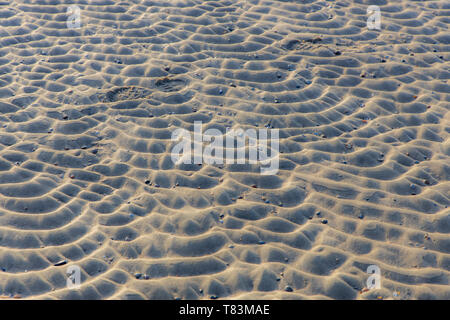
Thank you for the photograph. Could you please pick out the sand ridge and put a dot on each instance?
(86, 176)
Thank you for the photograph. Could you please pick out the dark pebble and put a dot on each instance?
(288, 289)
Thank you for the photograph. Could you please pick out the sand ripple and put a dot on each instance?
(86, 176)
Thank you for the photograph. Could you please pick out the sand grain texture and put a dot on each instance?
(86, 176)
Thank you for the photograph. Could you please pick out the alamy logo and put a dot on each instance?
(235, 147)
(146, 18)
(374, 20)
(73, 277)
(74, 19)
(374, 281)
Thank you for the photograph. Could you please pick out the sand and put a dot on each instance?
(86, 177)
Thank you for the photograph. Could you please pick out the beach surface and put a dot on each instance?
(87, 181)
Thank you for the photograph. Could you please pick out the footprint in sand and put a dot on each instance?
(169, 85)
(124, 93)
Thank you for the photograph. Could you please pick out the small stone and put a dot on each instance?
(324, 221)
(288, 289)
(60, 263)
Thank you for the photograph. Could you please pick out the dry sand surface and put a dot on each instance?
(86, 176)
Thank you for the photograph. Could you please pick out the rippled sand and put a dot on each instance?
(86, 176)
